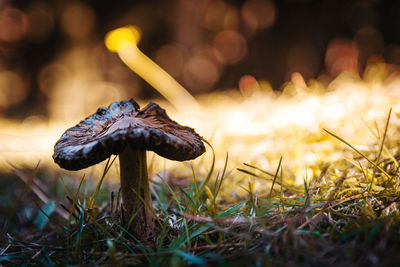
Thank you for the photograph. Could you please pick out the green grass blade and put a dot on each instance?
(231, 211)
(210, 172)
(191, 259)
(96, 191)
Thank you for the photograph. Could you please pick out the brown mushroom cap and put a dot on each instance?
(110, 129)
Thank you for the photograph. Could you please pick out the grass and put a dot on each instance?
(347, 214)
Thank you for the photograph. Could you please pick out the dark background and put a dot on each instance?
(205, 45)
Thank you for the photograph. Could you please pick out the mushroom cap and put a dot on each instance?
(110, 129)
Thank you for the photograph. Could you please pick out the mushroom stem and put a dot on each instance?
(136, 196)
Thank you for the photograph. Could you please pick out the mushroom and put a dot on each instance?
(126, 130)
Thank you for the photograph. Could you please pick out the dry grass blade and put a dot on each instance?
(258, 176)
(384, 136)
(259, 169)
(314, 186)
(360, 153)
(226, 221)
(33, 185)
(275, 176)
(337, 187)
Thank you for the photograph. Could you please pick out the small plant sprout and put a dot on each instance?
(126, 130)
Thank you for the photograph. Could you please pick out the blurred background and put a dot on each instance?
(268, 76)
(52, 53)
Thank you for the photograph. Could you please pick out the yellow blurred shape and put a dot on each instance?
(124, 41)
(122, 38)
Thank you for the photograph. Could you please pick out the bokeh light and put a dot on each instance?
(302, 58)
(12, 22)
(369, 43)
(248, 84)
(172, 58)
(281, 68)
(13, 89)
(78, 20)
(40, 22)
(201, 70)
(231, 46)
(220, 15)
(258, 14)
(341, 55)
